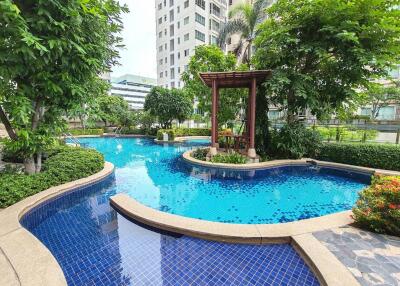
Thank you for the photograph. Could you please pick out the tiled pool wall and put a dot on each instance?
(95, 245)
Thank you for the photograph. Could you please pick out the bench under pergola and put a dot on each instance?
(237, 79)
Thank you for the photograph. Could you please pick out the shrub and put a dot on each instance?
(378, 208)
(379, 156)
(178, 132)
(342, 133)
(200, 154)
(294, 141)
(63, 164)
(230, 158)
(78, 132)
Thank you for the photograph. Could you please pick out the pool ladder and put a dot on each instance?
(74, 140)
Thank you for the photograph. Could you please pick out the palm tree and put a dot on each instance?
(244, 19)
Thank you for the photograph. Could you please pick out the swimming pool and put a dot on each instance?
(157, 176)
(95, 245)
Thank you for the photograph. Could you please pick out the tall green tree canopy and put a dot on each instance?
(213, 59)
(112, 110)
(51, 55)
(168, 105)
(320, 51)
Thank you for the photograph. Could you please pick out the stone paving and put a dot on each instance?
(373, 259)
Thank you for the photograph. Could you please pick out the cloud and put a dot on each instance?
(139, 34)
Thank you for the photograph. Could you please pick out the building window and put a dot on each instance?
(171, 3)
(171, 30)
(171, 45)
(213, 40)
(160, 34)
(186, 52)
(186, 20)
(172, 59)
(166, 60)
(166, 73)
(160, 6)
(172, 84)
(161, 61)
(186, 67)
(200, 36)
(186, 37)
(178, 9)
(214, 9)
(165, 3)
(214, 25)
(179, 25)
(179, 40)
(200, 19)
(165, 31)
(179, 70)
(165, 18)
(201, 4)
(171, 15)
(179, 55)
(160, 48)
(186, 4)
(161, 74)
(159, 21)
(172, 73)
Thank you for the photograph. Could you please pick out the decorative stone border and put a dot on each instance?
(24, 260)
(180, 139)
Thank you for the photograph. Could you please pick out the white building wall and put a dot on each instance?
(169, 73)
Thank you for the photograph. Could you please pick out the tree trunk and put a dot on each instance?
(10, 131)
(291, 117)
(38, 162)
(29, 164)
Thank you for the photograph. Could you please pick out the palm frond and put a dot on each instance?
(232, 27)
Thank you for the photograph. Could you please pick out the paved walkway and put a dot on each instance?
(373, 259)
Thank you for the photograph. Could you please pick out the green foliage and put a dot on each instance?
(200, 154)
(179, 132)
(51, 56)
(294, 141)
(244, 18)
(113, 110)
(379, 156)
(229, 158)
(213, 59)
(321, 51)
(78, 132)
(343, 133)
(168, 104)
(378, 207)
(378, 96)
(64, 164)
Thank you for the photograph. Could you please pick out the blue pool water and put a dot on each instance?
(95, 245)
(156, 176)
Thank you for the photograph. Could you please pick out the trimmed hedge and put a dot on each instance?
(93, 131)
(63, 164)
(178, 132)
(379, 156)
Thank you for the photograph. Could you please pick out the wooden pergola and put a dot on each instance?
(239, 79)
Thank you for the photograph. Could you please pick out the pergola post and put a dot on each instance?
(252, 124)
(214, 127)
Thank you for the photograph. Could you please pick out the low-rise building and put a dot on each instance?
(133, 89)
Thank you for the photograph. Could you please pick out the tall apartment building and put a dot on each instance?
(181, 26)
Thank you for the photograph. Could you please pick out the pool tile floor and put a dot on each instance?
(373, 259)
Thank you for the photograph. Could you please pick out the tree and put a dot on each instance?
(244, 18)
(212, 59)
(51, 53)
(167, 105)
(112, 110)
(321, 51)
(378, 96)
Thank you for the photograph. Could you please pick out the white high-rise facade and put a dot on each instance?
(181, 26)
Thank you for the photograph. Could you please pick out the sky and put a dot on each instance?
(139, 34)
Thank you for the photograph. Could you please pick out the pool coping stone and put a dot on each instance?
(28, 262)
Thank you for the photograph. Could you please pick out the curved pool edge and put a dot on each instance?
(286, 162)
(324, 264)
(180, 139)
(28, 261)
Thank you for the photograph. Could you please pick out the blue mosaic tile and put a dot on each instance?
(95, 245)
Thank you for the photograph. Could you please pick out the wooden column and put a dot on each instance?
(214, 128)
(252, 123)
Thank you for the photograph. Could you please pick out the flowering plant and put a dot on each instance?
(378, 207)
